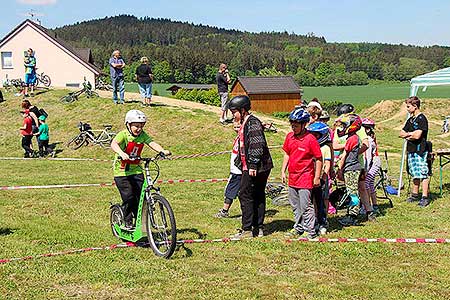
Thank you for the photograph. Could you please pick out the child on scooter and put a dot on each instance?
(128, 175)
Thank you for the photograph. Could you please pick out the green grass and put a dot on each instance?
(368, 95)
(40, 221)
(160, 88)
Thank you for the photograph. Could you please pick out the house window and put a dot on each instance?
(7, 60)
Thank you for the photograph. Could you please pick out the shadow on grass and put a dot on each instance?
(153, 104)
(271, 212)
(199, 234)
(6, 231)
(278, 226)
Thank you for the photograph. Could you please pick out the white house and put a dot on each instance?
(65, 65)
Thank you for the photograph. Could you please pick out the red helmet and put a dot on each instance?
(351, 123)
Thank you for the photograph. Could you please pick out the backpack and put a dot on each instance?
(42, 112)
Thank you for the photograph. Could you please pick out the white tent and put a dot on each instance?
(439, 77)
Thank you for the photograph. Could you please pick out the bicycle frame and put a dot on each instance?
(139, 232)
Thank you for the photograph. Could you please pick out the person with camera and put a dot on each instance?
(223, 79)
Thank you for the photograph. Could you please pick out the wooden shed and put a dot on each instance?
(204, 87)
(269, 94)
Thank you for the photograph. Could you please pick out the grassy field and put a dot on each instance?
(361, 96)
(34, 222)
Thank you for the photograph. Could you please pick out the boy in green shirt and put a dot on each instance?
(128, 174)
(43, 138)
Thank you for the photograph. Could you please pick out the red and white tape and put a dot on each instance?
(66, 186)
(207, 154)
(227, 240)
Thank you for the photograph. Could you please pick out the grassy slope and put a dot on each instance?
(40, 221)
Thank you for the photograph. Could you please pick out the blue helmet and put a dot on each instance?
(323, 130)
(299, 115)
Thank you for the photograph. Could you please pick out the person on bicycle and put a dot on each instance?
(128, 175)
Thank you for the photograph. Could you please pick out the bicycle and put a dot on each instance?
(278, 192)
(155, 215)
(44, 79)
(446, 125)
(102, 85)
(87, 89)
(384, 182)
(88, 135)
(270, 127)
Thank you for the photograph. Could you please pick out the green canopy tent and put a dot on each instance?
(439, 77)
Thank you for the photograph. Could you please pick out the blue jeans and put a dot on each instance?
(118, 86)
(146, 90)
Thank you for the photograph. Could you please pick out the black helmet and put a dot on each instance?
(345, 109)
(238, 102)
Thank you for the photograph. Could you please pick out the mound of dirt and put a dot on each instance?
(386, 110)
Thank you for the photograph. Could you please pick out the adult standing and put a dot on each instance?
(144, 78)
(255, 162)
(30, 72)
(116, 65)
(415, 132)
(223, 79)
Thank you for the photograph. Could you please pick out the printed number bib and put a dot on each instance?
(133, 149)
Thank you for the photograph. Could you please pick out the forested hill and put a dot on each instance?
(184, 52)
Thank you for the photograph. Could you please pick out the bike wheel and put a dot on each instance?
(46, 81)
(77, 141)
(116, 218)
(104, 140)
(68, 99)
(161, 227)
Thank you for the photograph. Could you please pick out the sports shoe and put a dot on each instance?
(362, 211)
(258, 232)
(412, 198)
(347, 221)
(294, 233)
(376, 209)
(371, 216)
(243, 234)
(424, 202)
(322, 230)
(222, 214)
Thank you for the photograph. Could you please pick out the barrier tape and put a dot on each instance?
(207, 154)
(227, 240)
(65, 186)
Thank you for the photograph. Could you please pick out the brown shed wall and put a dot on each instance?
(270, 103)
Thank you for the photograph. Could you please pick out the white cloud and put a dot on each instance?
(37, 2)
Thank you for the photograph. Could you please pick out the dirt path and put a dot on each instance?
(283, 126)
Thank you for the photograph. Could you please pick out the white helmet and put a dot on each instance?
(135, 116)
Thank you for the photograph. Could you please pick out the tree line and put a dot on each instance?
(184, 52)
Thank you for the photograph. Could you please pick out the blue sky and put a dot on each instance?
(407, 22)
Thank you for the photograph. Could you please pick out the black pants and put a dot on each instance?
(43, 148)
(26, 145)
(319, 204)
(130, 190)
(252, 196)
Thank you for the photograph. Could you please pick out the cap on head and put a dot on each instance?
(239, 102)
(135, 116)
(42, 118)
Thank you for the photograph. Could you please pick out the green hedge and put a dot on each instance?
(210, 97)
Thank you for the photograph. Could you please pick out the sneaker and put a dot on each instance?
(347, 221)
(424, 202)
(53, 154)
(243, 234)
(322, 230)
(371, 216)
(362, 211)
(222, 214)
(260, 232)
(412, 198)
(376, 209)
(294, 233)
